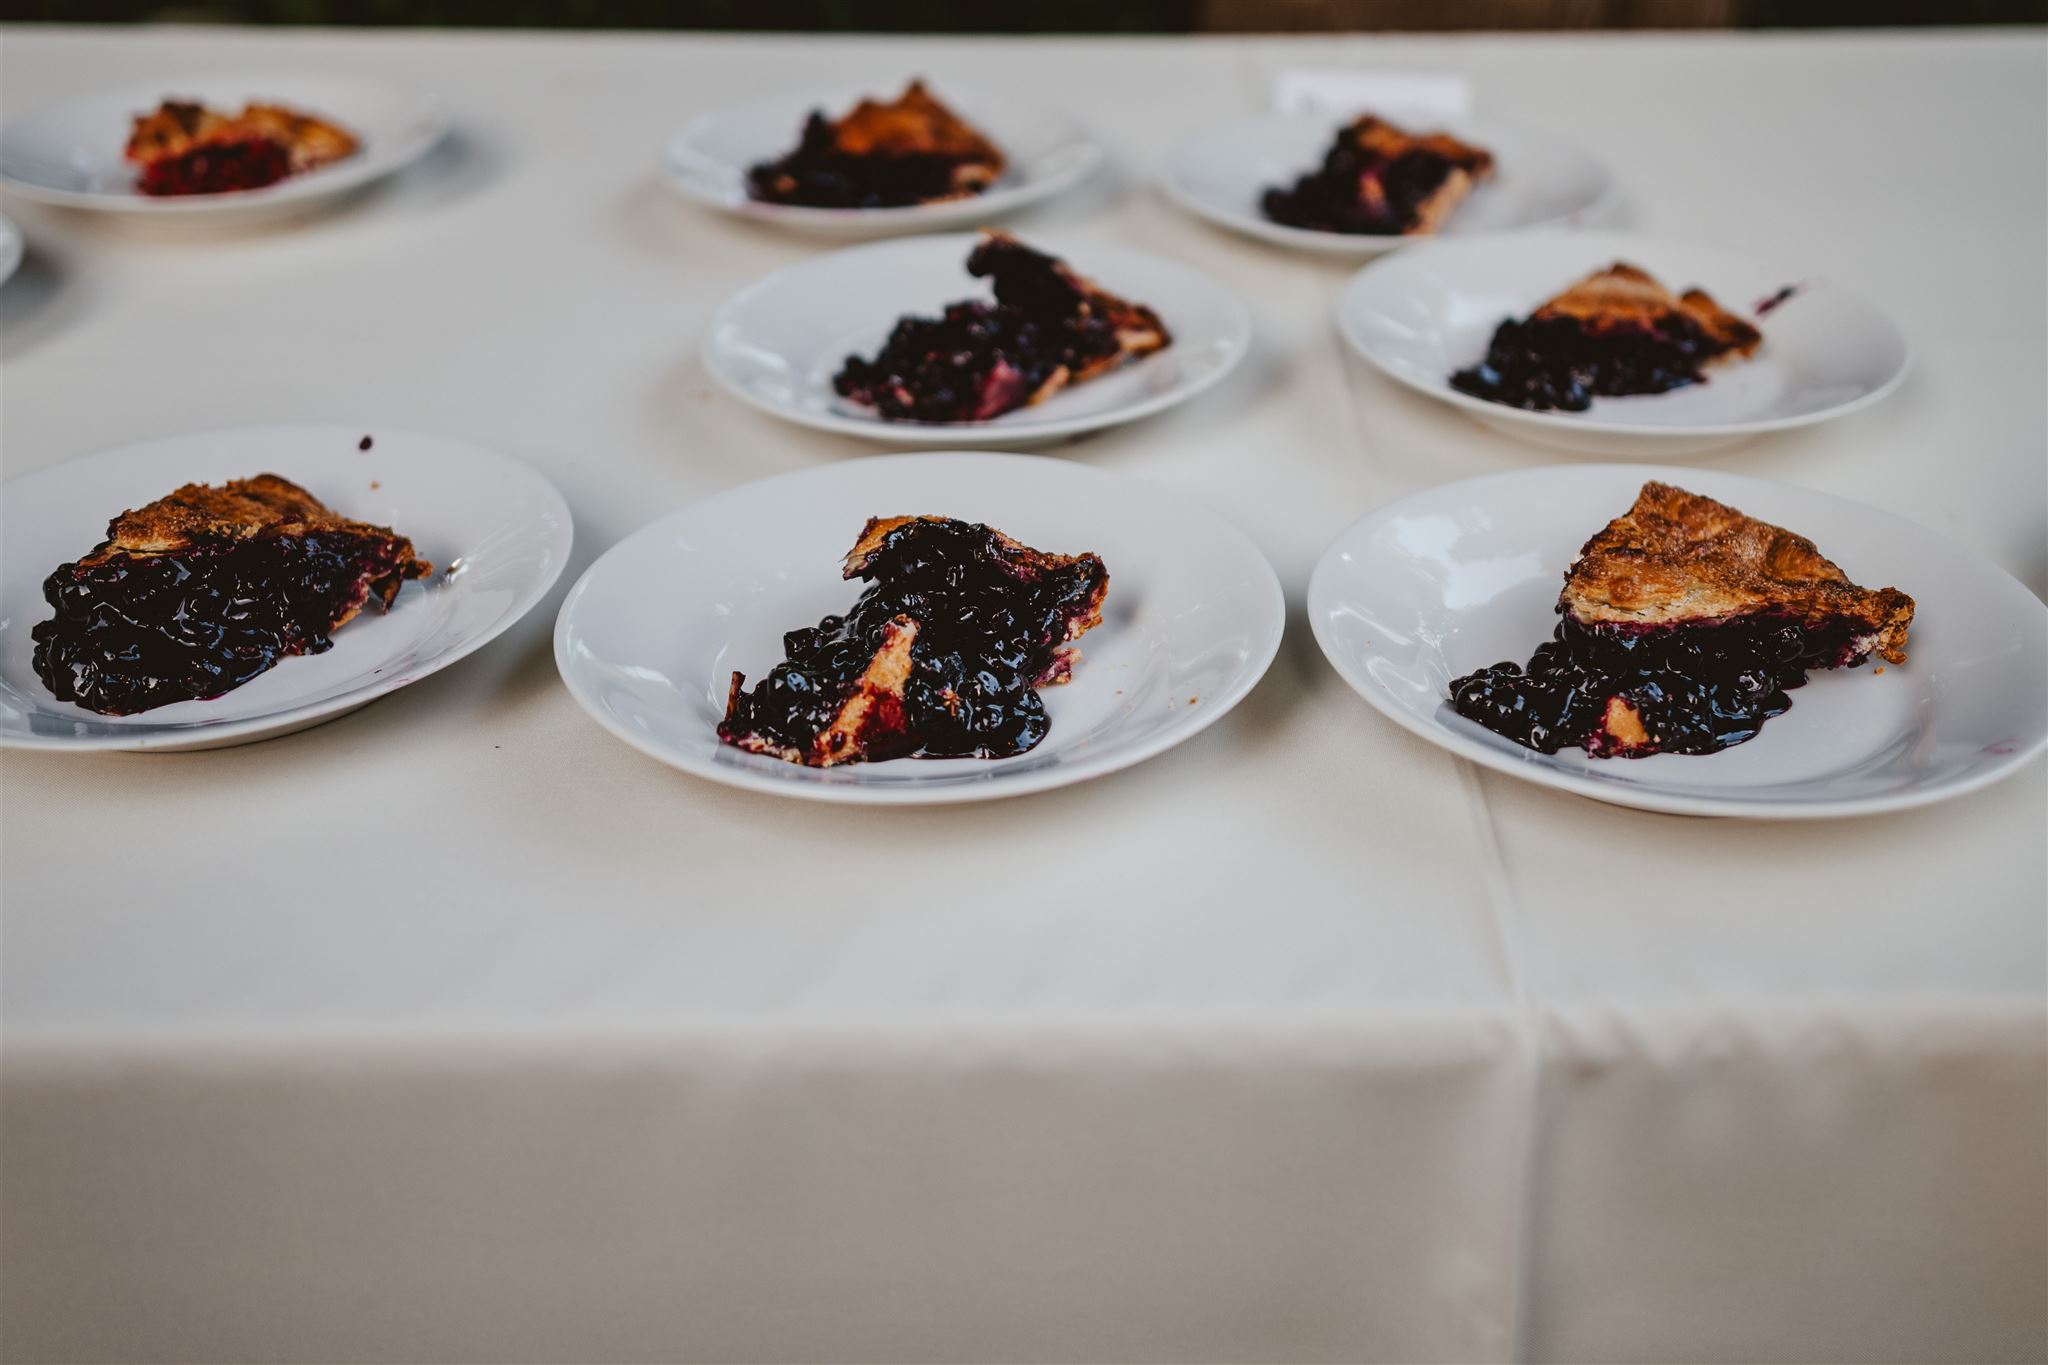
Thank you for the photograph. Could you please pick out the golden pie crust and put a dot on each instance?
(1626, 296)
(1676, 557)
(177, 126)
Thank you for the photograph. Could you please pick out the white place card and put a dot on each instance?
(1346, 91)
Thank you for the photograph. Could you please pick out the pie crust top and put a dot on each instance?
(1627, 296)
(916, 122)
(1677, 557)
(237, 510)
(1387, 141)
(177, 126)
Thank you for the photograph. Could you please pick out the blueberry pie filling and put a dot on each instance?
(911, 150)
(1046, 328)
(941, 656)
(199, 592)
(182, 147)
(1683, 626)
(1613, 334)
(1379, 180)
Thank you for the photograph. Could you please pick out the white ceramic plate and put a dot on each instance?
(12, 247)
(650, 636)
(708, 161)
(1221, 173)
(1450, 580)
(70, 154)
(778, 342)
(500, 527)
(1431, 310)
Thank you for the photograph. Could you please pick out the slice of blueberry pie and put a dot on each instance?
(1683, 624)
(1047, 327)
(197, 593)
(909, 150)
(1616, 332)
(1381, 180)
(183, 147)
(942, 656)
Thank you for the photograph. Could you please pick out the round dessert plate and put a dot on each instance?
(650, 636)
(1427, 312)
(495, 531)
(1539, 179)
(12, 247)
(71, 154)
(778, 343)
(1046, 154)
(1465, 575)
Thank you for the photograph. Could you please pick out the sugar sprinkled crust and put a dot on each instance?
(881, 153)
(917, 121)
(1678, 557)
(238, 510)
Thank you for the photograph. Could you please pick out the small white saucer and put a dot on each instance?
(650, 636)
(1464, 575)
(1046, 154)
(1420, 315)
(778, 342)
(71, 154)
(1539, 178)
(496, 532)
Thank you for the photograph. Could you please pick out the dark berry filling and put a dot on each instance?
(1697, 687)
(135, 632)
(1335, 196)
(980, 359)
(1561, 362)
(217, 168)
(819, 175)
(989, 635)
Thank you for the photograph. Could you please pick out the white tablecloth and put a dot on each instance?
(455, 1030)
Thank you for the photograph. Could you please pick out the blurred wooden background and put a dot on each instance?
(1051, 16)
(1313, 16)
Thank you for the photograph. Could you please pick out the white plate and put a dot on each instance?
(649, 637)
(1450, 580)
(1046, 153)
(1426, 312)
(12, 247)
(778, 342)
(1539, 179)
(501, 527)
(71, 154)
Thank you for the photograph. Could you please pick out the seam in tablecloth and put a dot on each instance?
(1507, 941)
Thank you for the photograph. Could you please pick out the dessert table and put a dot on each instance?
(456, 1030)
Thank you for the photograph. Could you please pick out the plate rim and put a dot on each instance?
(285, 719)
(1088, 156)
(13, 248)
(995, 787)
(1366, 244)
(1536, 770)
(319, 183)
(987, 435)
(1568, 422)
